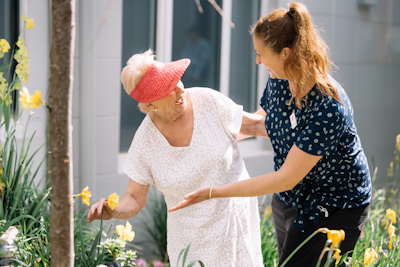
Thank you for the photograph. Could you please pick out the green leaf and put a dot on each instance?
(1, 209)
(179, 257)
(20, 262)
(185, 255)
(82, 244)
(7, 116)
(1, 109)
(4, 66)
(19, 218)
(194, 261)
(97, 239)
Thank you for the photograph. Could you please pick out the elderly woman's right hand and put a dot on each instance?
(95, 211)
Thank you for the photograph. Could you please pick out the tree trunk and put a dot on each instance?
(60, 130)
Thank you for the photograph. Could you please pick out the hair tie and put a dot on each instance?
(290, 14)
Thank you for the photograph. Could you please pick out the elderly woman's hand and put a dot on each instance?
(95, 211)
(195, 197)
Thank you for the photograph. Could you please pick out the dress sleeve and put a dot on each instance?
(135, 165)
(323, 130)
(229, 113)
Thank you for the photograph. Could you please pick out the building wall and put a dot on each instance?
(37, 42)
(96, 110)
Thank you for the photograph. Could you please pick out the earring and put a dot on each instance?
(155, 109)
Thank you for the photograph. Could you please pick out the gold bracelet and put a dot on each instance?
(209, 195)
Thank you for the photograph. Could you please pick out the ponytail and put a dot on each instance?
(309, 53)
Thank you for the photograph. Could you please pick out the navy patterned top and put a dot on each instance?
(323, 127)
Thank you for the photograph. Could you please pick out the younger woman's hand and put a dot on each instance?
(95, 211)
(195, 197)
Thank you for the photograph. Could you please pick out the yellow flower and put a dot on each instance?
(2, 79)
(7, 100)
(337, 255)
(21, 56)
(28, 21)
(3, 88)
(4, 47)
(86, 195)
(390, 170)
(125, 233)
(337, 236)
(392, 235)
(113, 200)
(36, 99)
(384, 224)
(25, 98)
(18, 85)
(369, 256)
(391, 214)
(398, 142)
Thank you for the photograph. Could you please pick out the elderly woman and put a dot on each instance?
(186, 141)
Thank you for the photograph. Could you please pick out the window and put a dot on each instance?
(243, 69)
(9, 30)
(138, 35)
(197, 36)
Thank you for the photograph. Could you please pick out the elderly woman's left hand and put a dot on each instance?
(195, 197)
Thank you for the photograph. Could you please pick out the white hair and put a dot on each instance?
(135, 69)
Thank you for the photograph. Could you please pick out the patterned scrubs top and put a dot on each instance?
(324, 127)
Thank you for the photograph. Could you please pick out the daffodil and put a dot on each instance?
(391, 230)
(384, 224)
(21, 56)
(36, 99)
(86, 195)
(337, 236)
(18, 85)
(336, 255)
(3, 87)
(7, 99)
(370, 255)
(398, 142)
(4, 47)
(28, 22)
(25, 98)
(390, 170)
(2, 79)
(391, 214)
(113, 200)
(125, 233)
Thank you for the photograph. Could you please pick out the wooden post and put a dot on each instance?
(60, 131)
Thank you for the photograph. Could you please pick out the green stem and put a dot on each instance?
(328, 260)
(297, 249)
(101, 230)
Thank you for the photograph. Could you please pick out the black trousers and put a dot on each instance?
(289, 237)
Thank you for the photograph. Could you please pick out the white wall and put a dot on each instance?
(96, 106)
(37, 42)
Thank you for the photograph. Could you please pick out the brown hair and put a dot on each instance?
(309, 53)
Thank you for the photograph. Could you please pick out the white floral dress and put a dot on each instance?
(223, 231)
